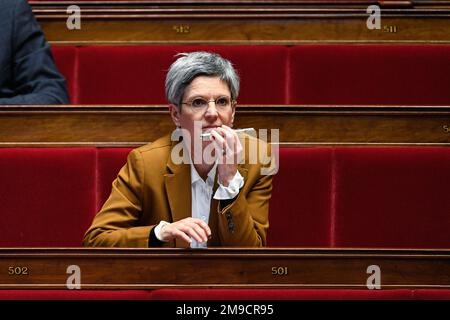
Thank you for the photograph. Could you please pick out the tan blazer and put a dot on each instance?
(151, 188)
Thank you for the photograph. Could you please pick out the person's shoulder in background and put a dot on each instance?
(28, 74)
(6, 24)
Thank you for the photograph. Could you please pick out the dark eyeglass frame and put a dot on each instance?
(202, 103)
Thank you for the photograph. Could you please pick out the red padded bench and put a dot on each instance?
(227, 294)
(322, 196)
(47, 196)
(136, 74)
(369, 74)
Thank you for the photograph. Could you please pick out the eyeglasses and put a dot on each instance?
(201, 104)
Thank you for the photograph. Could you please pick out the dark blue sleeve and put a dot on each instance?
(35, 78)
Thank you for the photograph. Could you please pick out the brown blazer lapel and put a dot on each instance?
(214, 209)
(178, 190)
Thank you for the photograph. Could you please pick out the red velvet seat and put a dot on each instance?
(280, 294)
(66, 61)
(129, 75)
(47, 196)
(302, 74)
(338, 197)
(299, 211)
(136, 74)
(342, 197)
(392, 197)
(370, 74)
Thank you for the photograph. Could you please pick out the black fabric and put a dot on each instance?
(153, 241)
(224, 203)
(28, 74)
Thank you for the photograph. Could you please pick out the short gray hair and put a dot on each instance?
(193, 64)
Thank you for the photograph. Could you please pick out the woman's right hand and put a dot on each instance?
(186, 229)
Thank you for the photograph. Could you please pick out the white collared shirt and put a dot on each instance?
(201, 192)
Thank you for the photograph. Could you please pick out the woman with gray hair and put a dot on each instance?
(196, 187)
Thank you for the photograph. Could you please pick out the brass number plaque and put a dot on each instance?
(390, 29)
(279, 271)
(181, 29)
(446, 128)
(18, 271)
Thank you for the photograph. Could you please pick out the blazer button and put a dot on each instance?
(230, 221)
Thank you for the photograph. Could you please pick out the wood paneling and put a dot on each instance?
(249, 22)
(225, 268)
(298, 125)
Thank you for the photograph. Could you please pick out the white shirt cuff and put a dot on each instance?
(227, 193)
(158, 230)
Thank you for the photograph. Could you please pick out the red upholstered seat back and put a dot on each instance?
(370, 74)
(361, 197)
(301, 199)
(136, 74)
(392, 197)
(47, 196)
(303, 74)
(323, 196)
(66, 59)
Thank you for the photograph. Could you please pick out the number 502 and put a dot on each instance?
(17, 271)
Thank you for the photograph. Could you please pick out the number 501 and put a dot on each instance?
(279, 271)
